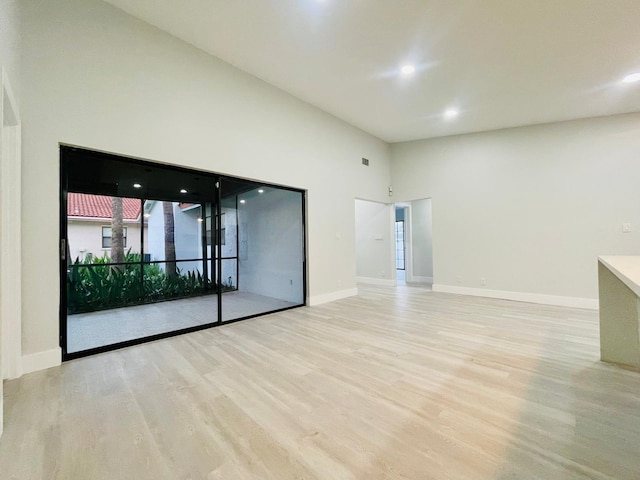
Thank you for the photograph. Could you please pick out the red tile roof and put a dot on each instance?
(99, 206)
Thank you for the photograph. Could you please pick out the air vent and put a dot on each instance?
(365, 161)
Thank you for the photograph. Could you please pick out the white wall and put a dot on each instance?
(375, 242)
(86, 237)
(9, 39)
(10, 290)
(230, 238)
(95, 77)
(187, 238)
(229, 248)
(271, 249)
(531, 208)
(420, 238)
(155, 232)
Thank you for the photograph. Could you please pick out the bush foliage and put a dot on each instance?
(93, 284)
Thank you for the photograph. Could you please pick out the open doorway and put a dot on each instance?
(413, 242)
(401, 244)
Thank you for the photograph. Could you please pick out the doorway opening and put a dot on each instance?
(400, 245)
(413, 242)
(151, 250)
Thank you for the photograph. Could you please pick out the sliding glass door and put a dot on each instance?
(149, 250)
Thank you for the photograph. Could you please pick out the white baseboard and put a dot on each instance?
(575, 302)
(332, 297)
(41, 360)
(419, 279)
(387, 282)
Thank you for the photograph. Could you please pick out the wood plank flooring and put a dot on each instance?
(392, 384)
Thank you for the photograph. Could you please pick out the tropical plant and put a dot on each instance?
(93, 285)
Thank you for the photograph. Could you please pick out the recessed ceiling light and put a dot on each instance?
(199, 219)
(137, 185)
(182, 190)
(260, 190)
(147, 215)
(631, 78)
(408, 69)
(451, 113)
(243, 201)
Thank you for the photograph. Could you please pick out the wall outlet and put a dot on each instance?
(483, 281)
(626, 227)
(339, 283)
(458, 280)
(290, 282)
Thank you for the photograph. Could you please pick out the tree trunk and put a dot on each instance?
(169, 240)
(117, 236)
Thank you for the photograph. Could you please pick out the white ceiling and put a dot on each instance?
(502, 63)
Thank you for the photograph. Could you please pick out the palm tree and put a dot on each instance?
(117, 237)
(169, 240)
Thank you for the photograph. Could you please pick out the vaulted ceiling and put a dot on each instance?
(489, 63)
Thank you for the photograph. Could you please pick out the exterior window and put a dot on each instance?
(106, 237)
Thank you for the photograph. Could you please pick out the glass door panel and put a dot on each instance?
(263, 248)
(126, 254)
(104, 271)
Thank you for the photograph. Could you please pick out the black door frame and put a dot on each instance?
(215, 258)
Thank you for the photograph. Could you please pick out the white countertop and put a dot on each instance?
(626, 268)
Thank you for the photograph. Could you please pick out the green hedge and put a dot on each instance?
(93, 284)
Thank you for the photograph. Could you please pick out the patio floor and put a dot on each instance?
(96, 329)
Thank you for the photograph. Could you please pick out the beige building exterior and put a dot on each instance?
(87, 236)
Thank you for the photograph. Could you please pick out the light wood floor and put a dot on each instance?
(392, 384)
